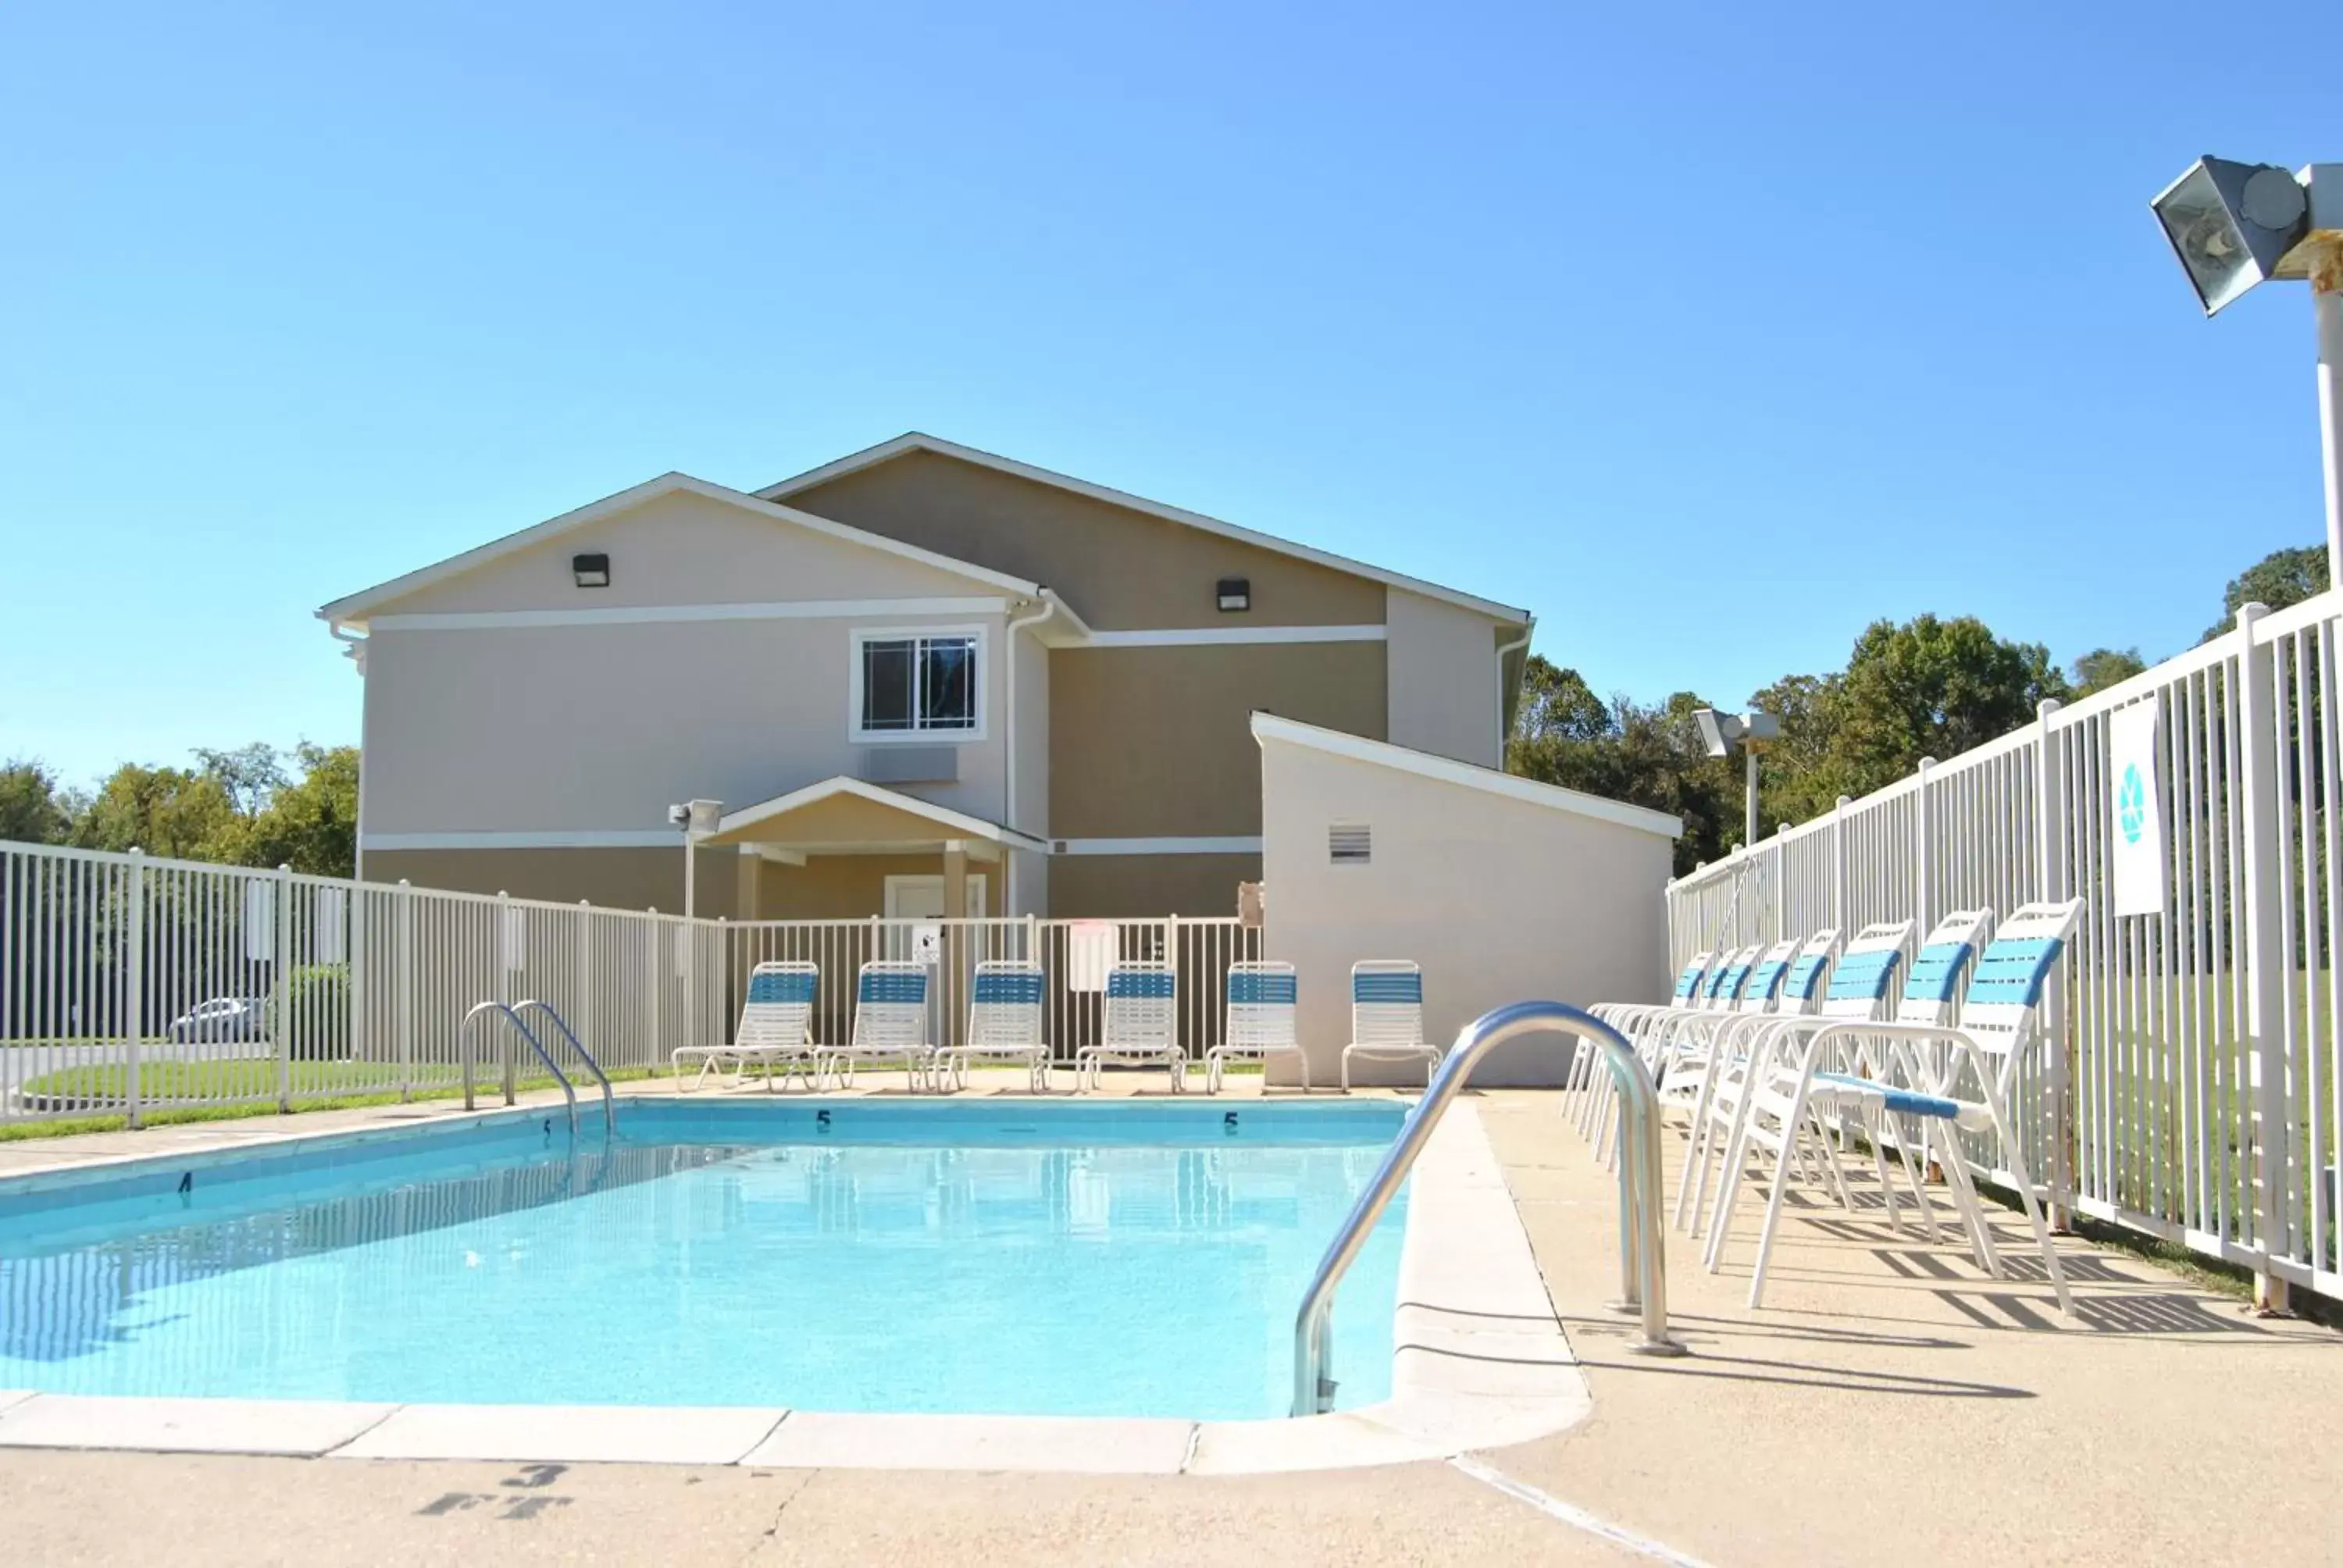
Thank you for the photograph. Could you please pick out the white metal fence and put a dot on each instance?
(129, 984)
(2193, 1088)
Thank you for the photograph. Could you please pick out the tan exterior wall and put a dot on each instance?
(614, 879)
(1157, 742)
(1499, 901)
(1136, 887)
(1120, 569)
(1442, 665)
(681, 548)
(599, 728)
(853, 886)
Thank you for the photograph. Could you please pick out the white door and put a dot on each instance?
(922, 898)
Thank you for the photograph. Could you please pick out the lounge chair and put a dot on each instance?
(890, 1023)
(1004, 1023)
(1142, 1023)
(1387, 1016)
(1258, 1022)
(1939, 1077)
(774, 1026)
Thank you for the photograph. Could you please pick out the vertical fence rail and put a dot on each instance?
(2188, 1083)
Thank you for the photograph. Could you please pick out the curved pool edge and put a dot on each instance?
(1480, 1361)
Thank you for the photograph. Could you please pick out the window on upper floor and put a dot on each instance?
(919, 685)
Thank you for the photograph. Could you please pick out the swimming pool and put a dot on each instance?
(1091, 1259)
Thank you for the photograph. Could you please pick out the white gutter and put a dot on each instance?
(353, 645)
(1528, 627)
(1009, 702)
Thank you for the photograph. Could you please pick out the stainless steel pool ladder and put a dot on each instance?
(1643, 1263)
(512, 1012)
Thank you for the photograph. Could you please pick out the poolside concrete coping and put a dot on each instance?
(1479, 1361)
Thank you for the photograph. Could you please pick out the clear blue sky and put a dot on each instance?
(1709, 333)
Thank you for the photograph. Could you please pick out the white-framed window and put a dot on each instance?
(924, 683)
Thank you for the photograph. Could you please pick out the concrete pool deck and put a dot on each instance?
(1888, 1400)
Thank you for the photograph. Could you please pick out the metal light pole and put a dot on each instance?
(1750, 731)
(698, 818)
(2235, 226)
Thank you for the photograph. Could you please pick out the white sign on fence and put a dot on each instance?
(2139, 862)
(1090, 952)
(260, 920)
(928, 943)
(515, 939)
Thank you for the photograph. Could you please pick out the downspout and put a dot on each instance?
(1529, 626)
(354, 649)
(1009, 728)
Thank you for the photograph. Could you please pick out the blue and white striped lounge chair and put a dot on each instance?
(1261, 997)
(1142, 1023)
(1945, 1076)
(1004, 1023)
(1387, 1016)
(775, 1025)
(890, 1023)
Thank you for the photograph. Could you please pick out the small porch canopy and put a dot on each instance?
(886, 829)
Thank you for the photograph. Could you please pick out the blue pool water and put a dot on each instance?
(1065, 1259)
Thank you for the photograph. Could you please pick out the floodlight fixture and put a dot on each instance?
(2235, 226)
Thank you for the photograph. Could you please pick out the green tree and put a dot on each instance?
(310, 824)
(1558, 703)
(250, 774)
(167, 811)
(1623, 750)
(2278, 579)
(2105, 666)
(1929, 688)
(31, 810)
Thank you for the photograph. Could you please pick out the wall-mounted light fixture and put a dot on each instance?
(591, 571)
(1235, 593)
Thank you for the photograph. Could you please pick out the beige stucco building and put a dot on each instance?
(1503, 889)
(920, 680)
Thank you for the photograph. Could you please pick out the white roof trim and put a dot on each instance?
(961, 824)
(354, 608)
(1384, 754)
(916, 441)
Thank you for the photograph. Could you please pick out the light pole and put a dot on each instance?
(698, 818)
(1750, 731)
(2236, 224)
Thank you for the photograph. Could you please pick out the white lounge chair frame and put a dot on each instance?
(890, 1024)
(1004, 1024)
(1387, 1016)
(1260, 997)
(1140, 1026)
(775, 1029)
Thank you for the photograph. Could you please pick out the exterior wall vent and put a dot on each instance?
(1349, 844)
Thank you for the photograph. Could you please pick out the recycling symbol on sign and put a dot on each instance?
(2131, 804)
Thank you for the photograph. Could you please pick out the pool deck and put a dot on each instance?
(1889, 1400)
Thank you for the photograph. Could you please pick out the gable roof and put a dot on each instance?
(354, 609)
(733, 826)
(919, 441)
(1447, 770)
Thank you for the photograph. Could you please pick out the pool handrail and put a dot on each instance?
(1642, 1260)
(609, 1115)
(464, 1047)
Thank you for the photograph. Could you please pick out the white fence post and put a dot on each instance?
(2266, 959)
(284, 988)
(133, 982)
(1838, 868)
(1924, 880)
(501, 946)
(2049, 885)
(585, 976)
(403, 989)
